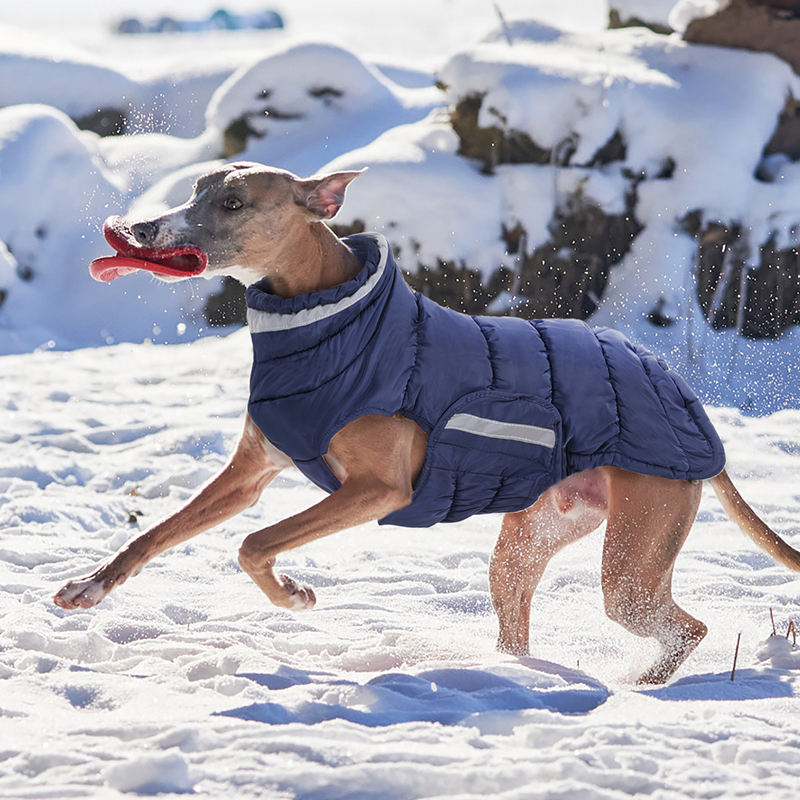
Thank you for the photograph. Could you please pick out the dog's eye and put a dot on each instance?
(232, 203)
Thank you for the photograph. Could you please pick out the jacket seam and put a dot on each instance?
(490, 352)
(415, 330)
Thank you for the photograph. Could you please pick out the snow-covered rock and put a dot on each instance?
(653, 14)
(628, 127)
(43, 69)
(51, 223)
(287, 107)
(625, 114)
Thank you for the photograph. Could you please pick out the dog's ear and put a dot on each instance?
(324, 196)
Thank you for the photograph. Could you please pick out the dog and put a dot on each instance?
(265, 226)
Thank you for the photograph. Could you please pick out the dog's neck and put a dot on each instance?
(315, 260)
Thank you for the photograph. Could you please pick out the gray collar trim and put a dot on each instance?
(268, 322)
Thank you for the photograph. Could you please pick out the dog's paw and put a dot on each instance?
(83, 593)
(300, 596)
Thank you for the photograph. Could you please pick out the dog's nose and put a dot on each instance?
(145, 232)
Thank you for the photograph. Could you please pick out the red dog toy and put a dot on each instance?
(183, 260)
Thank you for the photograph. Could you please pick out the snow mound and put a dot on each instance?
(280, 109)
(297, 83)
(42, 70)
(156, 774)
(51, 225)
(779, 653)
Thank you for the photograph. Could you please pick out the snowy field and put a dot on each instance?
(186, 681)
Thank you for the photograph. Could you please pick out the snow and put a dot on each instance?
(37, 71)
(186, 680)
(654, 11)
(310, 101)
(684, 11)
(667, 98)
(51, 224)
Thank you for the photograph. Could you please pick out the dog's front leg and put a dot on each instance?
(378, 458)
(356, 502)
(239, 485)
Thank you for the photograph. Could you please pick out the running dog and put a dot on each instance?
(409, 413)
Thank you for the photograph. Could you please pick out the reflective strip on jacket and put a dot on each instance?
(510, 406)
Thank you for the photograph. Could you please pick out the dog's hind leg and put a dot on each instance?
(648, 522)
(529, 539)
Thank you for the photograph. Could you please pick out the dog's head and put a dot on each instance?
(238, 221)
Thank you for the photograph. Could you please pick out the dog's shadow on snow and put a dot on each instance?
(489, 698)
(449, 696)
(748, 684)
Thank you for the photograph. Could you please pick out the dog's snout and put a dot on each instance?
(145, 232)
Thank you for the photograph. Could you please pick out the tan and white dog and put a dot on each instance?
(252, 222)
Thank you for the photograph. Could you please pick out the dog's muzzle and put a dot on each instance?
(181, 261)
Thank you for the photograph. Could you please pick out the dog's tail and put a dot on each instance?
(739, 511)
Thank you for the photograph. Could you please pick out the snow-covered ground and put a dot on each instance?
(187, 680)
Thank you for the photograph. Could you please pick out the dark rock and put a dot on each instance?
(456, 286)
(767, 26)
(615, 149)
(772, 300)
(235, 136)
(499, 144)
(228, 306)
(667, 169)
(761, 302)
(357, 226)
(786, 138)
(616, 20)
(325, 93)
(494, 145)
(567, 276)
(657, 317)
(104, 122)
(719, 264)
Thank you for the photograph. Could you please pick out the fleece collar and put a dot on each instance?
(268, 313)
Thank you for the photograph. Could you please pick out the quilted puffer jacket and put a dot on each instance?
(510, 406)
